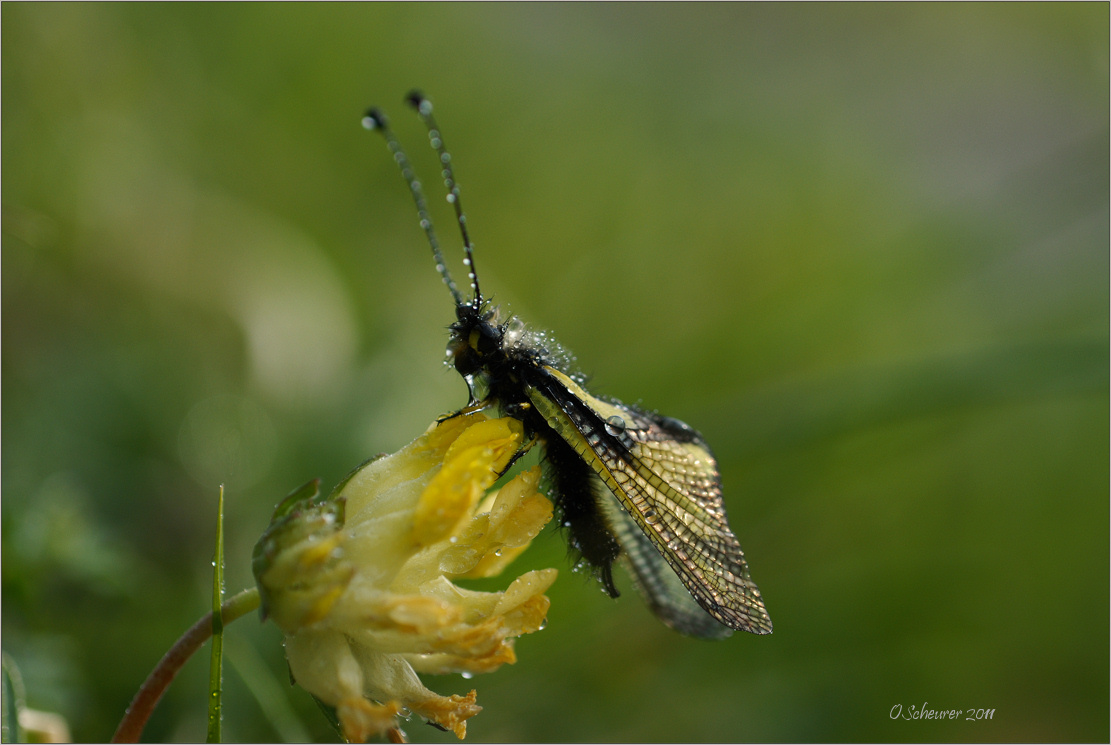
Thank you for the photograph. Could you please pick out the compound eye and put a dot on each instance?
(463, 357)
(468, 363)
(489, 339)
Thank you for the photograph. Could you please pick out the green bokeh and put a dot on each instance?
(863, 248)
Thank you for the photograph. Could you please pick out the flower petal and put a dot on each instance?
(471, 465)
(450, 712)
(491, 542)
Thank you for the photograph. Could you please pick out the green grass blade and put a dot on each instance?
(13, 701)
(215, 675)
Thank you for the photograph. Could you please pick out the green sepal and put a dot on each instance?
(330, 715)
(307, 492)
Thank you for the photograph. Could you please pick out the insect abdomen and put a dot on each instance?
(570, 480)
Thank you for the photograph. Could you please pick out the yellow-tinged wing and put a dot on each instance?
(666, 481)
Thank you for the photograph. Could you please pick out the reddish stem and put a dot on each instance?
(142, 706)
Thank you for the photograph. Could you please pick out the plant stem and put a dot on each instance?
(142, 706)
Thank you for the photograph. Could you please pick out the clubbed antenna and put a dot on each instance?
(375, 119)
(424, 108)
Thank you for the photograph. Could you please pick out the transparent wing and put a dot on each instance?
(666, 480)
(654, 578)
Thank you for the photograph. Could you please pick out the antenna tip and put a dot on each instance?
(374, 119)
(417, 100)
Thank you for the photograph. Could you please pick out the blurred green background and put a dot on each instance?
(864, 249)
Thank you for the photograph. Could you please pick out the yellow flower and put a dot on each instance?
(361, 582)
